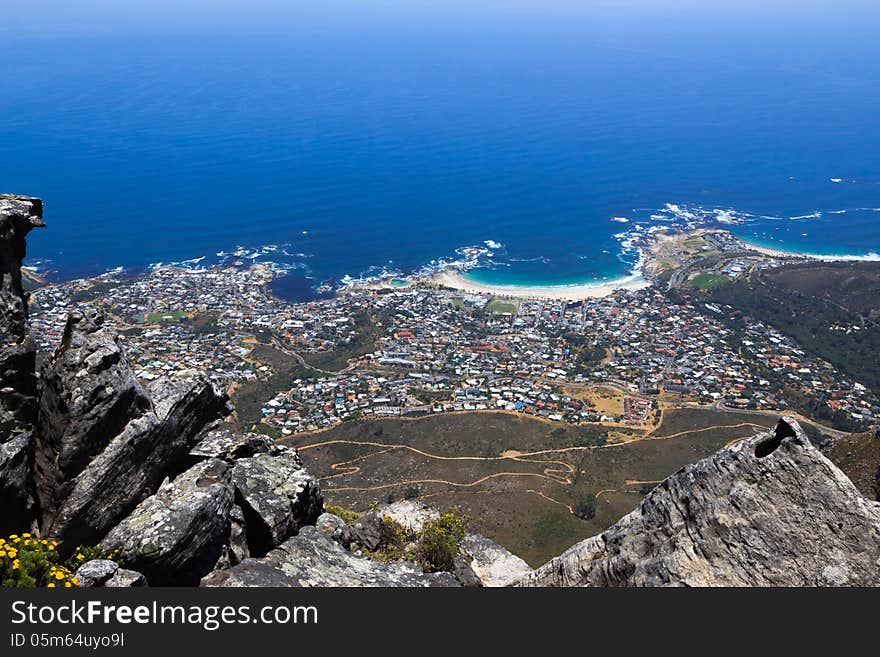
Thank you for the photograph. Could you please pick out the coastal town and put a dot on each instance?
(420, 348)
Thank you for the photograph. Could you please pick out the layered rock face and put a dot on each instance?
(18, 381)
(769, 511)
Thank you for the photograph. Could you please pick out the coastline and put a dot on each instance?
(455, 279)
(779, 253)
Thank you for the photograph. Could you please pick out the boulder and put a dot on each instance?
(125, 578)
(367, 531)
(411, 514)
(176, 536)
(277, 496)
(768, 511)
(107, 573)
(223, 443)
(312, 559)
(492, 564)
(334, 528)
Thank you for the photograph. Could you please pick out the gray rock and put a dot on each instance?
(176, 536)
(367, 531)
(492, 564)
(125, 578)
(96, 572)
(18, 379)
(88, 395)
(768, 511)
(411, 514)
(312, 559)
(334, 528)
(223, 443)
(136, 460)
(16, 484)
(277, 496)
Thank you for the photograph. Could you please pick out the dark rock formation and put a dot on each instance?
(312, 559)
(134, 462)
(277, 496)
(18, 381)
(88, 395)
(769, 511)
(177, 535)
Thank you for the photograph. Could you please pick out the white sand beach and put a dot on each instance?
(456, 280)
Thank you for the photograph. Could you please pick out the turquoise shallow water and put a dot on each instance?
(544, 150)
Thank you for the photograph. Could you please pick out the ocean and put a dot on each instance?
(529, 156)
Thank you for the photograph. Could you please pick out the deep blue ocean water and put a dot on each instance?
(350, 155)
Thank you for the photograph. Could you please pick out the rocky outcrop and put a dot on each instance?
(312, 559)
(148, 448)
(768, 511)
(18, 381)
(176, 535)
(88, 395)
(277, 496)
(491, 564)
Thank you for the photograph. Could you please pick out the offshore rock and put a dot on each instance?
(312, 559)
(277, 496)
(177, 535)
(18, 380)
(768, 511)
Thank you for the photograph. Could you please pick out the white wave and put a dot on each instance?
(837, 181)
(620, 220)
(812, 215)
(492, 244)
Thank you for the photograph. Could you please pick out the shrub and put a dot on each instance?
(349, 517)
(26, 561)
(439, 543)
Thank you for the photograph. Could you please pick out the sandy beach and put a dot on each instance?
(775, 253)
(454, 279)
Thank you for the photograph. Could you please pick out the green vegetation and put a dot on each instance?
(858, 455)
(706, 281)
(350, 517)
(435, 546)
(164, 316)
(362, 342)
(250, 397)
(439, 543)
(518, 477)
(500, 307)
(27, 561)
(831, 310)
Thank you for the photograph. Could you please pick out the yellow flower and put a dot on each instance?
(74, 581)
(2, 541)
(26, 535)
(13, 536)
(67, 585)
(15, 565)
(2, 553)
(79, 557)
(52, 547)
(11, 553)
(50, 585)
(59, 575)
(44, 542)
